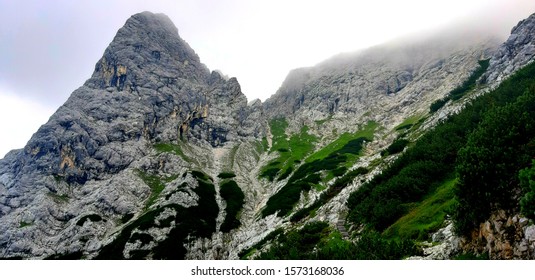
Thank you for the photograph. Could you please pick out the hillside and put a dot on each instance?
(415, 148)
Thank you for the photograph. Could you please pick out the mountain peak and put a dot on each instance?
(147, 41)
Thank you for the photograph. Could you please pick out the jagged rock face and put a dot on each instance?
(148, 53)
(516, 52)
(136, 97)
(85, 182)
(503, 236)
(149, 87)
(385, 84)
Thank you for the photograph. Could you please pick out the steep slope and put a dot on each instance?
(387, 83)
(157, 157)
(515, 53)
(400, 201)
(132, 131)
(373, 95)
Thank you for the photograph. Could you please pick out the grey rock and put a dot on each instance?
(148, 87)
(513, 54)
(94, 154)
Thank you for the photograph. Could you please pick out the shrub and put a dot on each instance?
(91, 217)
(234, 197)
(396, 147)
(435, 106)
(527, 182)
(226, 175)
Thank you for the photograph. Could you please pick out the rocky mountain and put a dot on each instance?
(156, 157)
(516, 52)
(148, 90)
(386, 83)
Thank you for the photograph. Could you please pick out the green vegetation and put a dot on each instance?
(396, 147)
(234, 197)
(471, 256)
(278, 130)
(342, 141)
(385, 199)
(489, 163)
(470, 84)
(486, 145)
(463, 89)
(59, 198)
(342, 152)
(307, 175)
(126, 218)
(265, 144)
(435, 106)
(23, 224)
(527, 182)
(290, 150)
(409, 123)
(333, 190)
(297, 245)
(90, 217)
(425, 217)
(171, 148)
(156, 186)
(226, 175)
(198, 221)
(318, 241)
(272, 235)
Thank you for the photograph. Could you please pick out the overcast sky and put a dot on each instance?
(48, 48)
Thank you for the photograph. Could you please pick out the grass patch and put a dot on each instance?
(333, 158)
(156, 186)
(58, 198)
(326, 196)
(297, 147)
(426, 216)
(278, 131)
(344, 139)
(24, 224)
(409, 123)
(308, 175)
(171, 148)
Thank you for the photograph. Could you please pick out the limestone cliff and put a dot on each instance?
(135, 163)
(148, 100)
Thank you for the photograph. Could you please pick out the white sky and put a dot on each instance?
(48, 48)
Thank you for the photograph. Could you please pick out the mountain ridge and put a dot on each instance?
(138, 162)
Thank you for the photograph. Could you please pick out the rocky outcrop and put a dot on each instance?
(503, 236)
(386, 84)
(513, 54)
(149, 87)
(128, 167)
